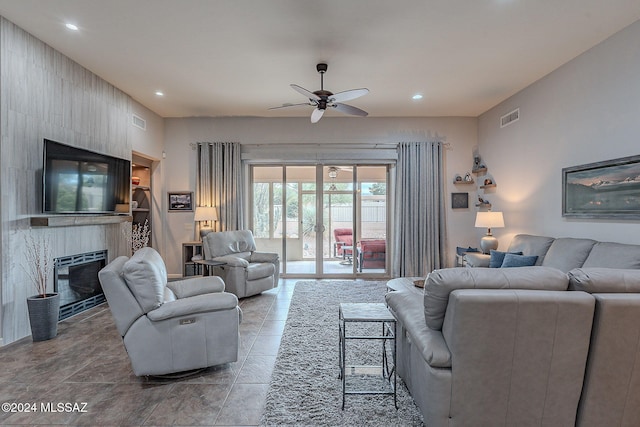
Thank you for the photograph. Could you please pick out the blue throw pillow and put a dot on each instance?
(497, 258)
(513, 260)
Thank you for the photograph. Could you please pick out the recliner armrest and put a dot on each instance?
(477, 259)
(194, 305)
(233, 261)
(264, 257)
(196, 286)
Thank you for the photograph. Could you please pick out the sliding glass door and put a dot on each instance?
(324, 220)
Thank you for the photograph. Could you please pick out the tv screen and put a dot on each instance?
(81, 181)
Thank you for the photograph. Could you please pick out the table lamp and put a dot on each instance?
(489, 220)
(206, 214)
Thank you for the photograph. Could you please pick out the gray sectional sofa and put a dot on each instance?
(556, 344)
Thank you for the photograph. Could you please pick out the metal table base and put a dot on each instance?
(370, 313)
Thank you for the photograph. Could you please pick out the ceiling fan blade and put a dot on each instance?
(303, 91)
(316, 115)
(348, 95)
(287, 105)
(348, 109)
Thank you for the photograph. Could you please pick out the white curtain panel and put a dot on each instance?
(219, 182)
(420, 225)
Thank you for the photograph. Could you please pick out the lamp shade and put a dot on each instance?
(206, 213)
(489, 220)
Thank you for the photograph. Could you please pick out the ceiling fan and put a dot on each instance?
(321, 99)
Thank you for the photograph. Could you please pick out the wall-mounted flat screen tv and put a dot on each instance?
(81, 181)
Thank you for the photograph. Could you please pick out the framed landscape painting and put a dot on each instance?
(608, 189)
(181, 201)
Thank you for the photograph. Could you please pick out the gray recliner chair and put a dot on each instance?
(170, 327)
(246, 272)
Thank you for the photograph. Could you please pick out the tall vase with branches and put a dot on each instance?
(137, 235)
(43, 307)
(39, 262)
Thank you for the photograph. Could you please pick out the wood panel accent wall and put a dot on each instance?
(44, 94)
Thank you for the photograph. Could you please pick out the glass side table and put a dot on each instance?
(350, 314)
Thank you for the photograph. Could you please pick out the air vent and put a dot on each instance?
(509, 118)
(139, 122)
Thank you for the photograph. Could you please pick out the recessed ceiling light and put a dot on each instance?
(71, 27)
(416, 96)
(158, 93)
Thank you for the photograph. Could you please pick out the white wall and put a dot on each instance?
(180, 165)
(586, 111)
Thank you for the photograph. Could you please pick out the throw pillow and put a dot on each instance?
(513, 260)
(497, 258)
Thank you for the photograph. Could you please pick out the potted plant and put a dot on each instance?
(43, 307)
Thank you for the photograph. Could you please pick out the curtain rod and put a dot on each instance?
(338, 146)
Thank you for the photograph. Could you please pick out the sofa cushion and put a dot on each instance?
(515, 260)
(567, 253)
(531, 245)
(613, 255)
(604, 280)
(146, 277)
(497, 257)
(372, 248)
(440, 283)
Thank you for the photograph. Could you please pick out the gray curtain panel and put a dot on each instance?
(420, 226)
(219, 182)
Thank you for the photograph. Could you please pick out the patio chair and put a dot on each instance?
(343, 245)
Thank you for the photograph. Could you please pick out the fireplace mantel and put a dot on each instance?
(75, 220)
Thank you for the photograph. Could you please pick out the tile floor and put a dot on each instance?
(87, 363)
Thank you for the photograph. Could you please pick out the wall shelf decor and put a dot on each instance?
(483, 203)
(466, 180)
(485, 180)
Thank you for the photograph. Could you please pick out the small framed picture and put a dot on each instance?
(459, 200)
(181, 201)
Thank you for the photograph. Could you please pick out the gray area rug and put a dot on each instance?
(305, 389)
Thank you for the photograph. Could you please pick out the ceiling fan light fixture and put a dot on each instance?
(416, 97)
(321, 99)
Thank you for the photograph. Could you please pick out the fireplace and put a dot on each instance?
(75, 278)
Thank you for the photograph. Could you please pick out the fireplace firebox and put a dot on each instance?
(75, 278)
